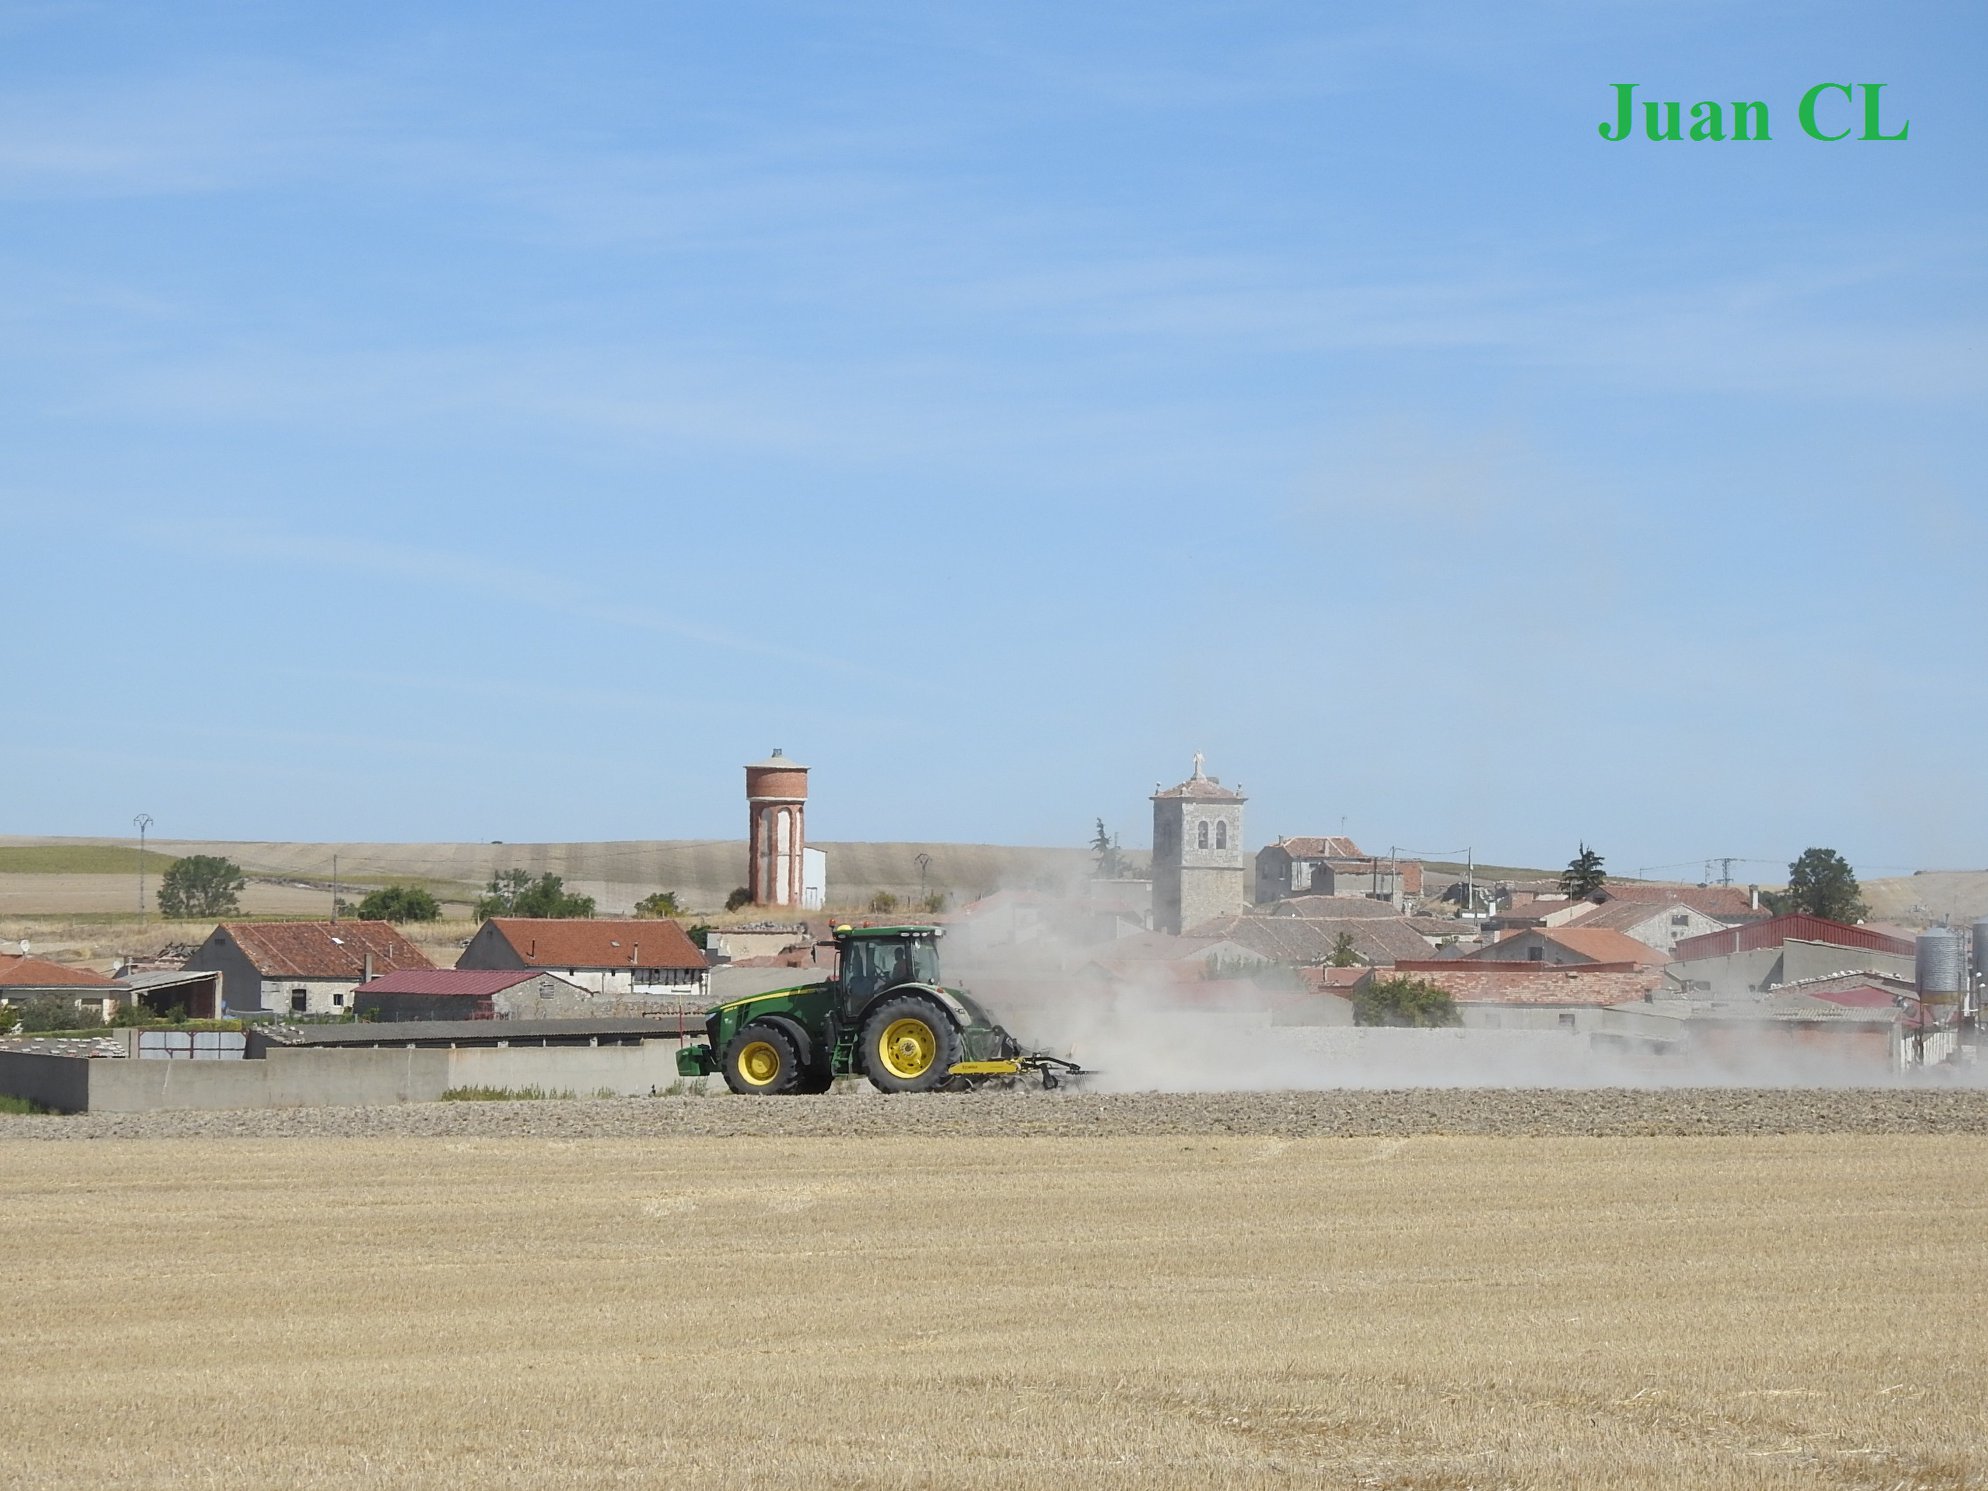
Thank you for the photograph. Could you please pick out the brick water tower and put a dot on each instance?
(777, 803)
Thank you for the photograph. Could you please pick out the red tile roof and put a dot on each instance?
(598, 943)
(1298, 940)
(1713, 900)
(1202, 787)
(1605, 946)
(322, 949)
(1598, 945)
(1331, 906)
(1468, 982)
(1331, 846)
(1620, 916)
(21, 972)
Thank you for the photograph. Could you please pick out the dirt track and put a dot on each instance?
(1501, 1111)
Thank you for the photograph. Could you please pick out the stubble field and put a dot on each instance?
(938, 1310)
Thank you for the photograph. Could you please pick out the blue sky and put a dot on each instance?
(434, 422)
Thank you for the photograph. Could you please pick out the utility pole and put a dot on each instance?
(1470, 882)
(334, 887)
(142, 822)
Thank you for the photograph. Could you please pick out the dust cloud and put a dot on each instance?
(1144, 1027)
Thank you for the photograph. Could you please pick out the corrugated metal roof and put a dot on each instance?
(1777, 930)
(481, 981)
(484, 1032)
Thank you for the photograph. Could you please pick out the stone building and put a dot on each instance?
(1199, 870)
(301, 968)
(1334, 865)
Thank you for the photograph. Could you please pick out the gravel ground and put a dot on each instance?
(1066, 1114)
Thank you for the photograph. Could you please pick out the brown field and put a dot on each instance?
(1187, 1311)
(36, 895)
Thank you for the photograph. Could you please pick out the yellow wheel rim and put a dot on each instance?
(907, 1048)
(759, 1064)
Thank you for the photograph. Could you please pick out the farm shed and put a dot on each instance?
(195, 994)
(301, 968)
(1790, 949)
(472, 994)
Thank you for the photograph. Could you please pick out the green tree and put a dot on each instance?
(934, 902)
(51, 1012)
(515, 893)
(738, 898)
(1104, 844)
(201, 885)
(398, 903)
(1404, 1001)
(1584, 875)
(1821, 883)
(662, 904)
(501, 895)
(1344, 955)
(883, 903)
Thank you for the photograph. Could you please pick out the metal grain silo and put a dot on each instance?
(1940, 972)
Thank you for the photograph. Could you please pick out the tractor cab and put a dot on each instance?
(871, 960)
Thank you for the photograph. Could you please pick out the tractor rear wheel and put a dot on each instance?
(761, 1061)
(909, 1045)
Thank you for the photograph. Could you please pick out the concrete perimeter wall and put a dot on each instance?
(58, 1082)
(331, 1078)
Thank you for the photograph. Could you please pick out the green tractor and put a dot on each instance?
(885, 1015)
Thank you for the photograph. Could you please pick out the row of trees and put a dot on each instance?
(1820, 883)
(204, 885)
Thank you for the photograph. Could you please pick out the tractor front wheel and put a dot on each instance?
(909, 1045)
(761, 1061)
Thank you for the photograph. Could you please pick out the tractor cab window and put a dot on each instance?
(871, 967)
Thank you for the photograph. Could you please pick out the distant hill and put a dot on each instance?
(1929, 897)
(292, 877)
(98, 875)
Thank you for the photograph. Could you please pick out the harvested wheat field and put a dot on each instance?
(941, 1311)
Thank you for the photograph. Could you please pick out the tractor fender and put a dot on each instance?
(804, 1044)
(962, 1016)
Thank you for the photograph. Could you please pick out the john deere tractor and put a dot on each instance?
(885, 1015)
